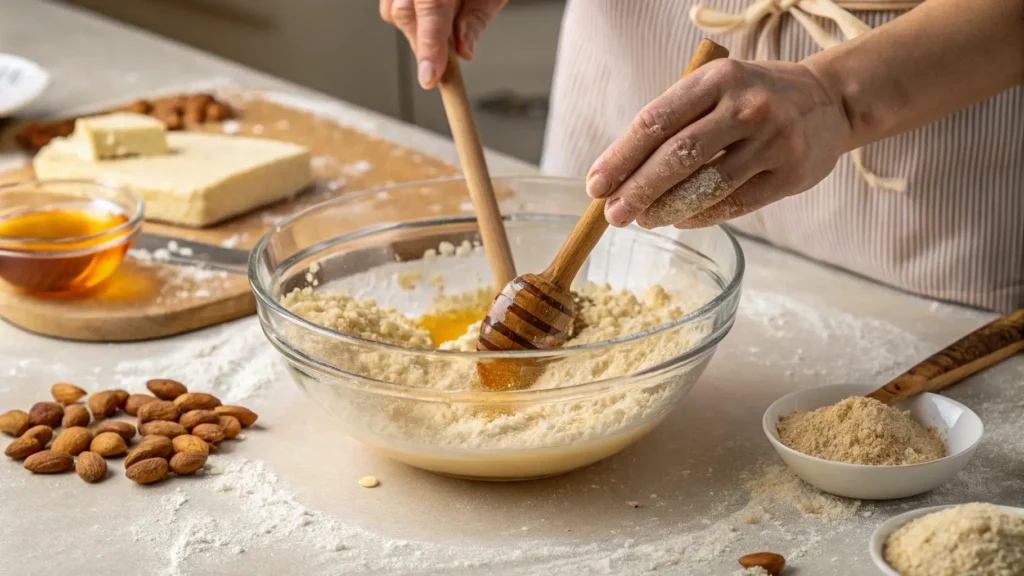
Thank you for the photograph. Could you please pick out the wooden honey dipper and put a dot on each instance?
(536, 311)
(985, 347)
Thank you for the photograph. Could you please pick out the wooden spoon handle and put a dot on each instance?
(985, 347)
(592, 224)
(474, 166)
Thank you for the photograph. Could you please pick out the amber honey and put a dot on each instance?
(449, 325)
(62, 249)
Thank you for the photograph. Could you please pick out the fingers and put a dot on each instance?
(471, 21)
(758, 192)
(670, 164)
(684, 102)
(434, 21)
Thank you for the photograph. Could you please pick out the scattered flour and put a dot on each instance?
(179, 282)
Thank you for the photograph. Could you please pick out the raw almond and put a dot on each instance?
(245, 416)
(771, 562)
(136, 401)
(193, 418)
(102, 404)
(186, 463)
(108, 444)
(49, 462)
(66, 393)
(166, 389)
(147, 471)
(150, 447)
(14, 422)
(22, 447)
(209, 432)
(162, 428)
(46, 414)
(72, 440)
(159, 410)
(230, 425)
(122, 429)
(196, 401)
(75, 415)
(121, 395)
(41, 433)
(91, 467)
(189, 443)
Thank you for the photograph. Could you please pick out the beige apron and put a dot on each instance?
(938, 211)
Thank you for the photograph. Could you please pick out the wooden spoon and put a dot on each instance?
(535, 311)
(471, 155)
(985, 347)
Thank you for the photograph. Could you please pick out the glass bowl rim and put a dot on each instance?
(135, 218)
(267, 300)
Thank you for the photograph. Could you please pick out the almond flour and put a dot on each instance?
(975, 539)
(860, 430)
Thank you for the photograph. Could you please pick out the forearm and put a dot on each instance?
(936, 59)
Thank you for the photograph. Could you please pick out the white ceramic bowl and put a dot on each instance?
(959, 424)
(21, 82)
(881, 533)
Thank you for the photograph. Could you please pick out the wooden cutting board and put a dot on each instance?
(145, 300)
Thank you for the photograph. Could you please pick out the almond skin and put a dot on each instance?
(75, 415)
(136, 401)
(121, 396)
(196, 401)
(14, 422)
(108, 444)
(22, 447)
(162, 428)
(166, 389)
(122, 429)
(186, 463)
(91, 467)
(66, 393)
(49, 462)
(147, 471)
(73, 441)
(102, 404)
(193, 418)
(230, 425)
(209, 432)
(41, 433)
(150, 447)
(46, 414)
(159, 410)
(771, 562)
(245, 416)
(189, 443)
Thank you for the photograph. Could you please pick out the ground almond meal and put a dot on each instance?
(973, 539)
(861, 430)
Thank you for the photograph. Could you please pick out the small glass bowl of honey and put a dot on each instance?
(61, 237)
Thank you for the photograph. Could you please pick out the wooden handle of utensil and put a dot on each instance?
(985, 347)
(592, 224)
(474, 167)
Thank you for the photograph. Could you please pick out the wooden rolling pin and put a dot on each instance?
(471, 155)
(985, 347)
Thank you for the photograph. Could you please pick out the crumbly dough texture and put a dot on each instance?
(861, 430)
(976, 539)
(206, 178)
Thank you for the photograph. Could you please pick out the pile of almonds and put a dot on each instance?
(179, 430)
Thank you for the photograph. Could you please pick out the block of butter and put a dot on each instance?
(119, 134)
(203, 180)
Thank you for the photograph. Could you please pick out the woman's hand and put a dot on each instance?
(429, 24)
(779, 128)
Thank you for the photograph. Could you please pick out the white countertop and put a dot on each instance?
(289, 501)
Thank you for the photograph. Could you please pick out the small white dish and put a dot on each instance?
(21, 82)
(879, 536)
(959, 424)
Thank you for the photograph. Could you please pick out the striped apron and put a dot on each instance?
(938, 211)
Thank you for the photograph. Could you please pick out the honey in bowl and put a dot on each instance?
(64, 247)
(449, 325)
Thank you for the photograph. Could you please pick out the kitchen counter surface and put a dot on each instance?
(706, 483)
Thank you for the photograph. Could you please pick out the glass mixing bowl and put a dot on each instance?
(419, 405)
